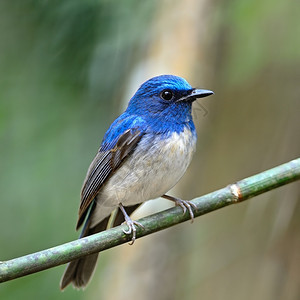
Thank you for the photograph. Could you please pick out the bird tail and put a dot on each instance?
(80, 271)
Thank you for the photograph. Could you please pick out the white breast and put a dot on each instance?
(152, 170)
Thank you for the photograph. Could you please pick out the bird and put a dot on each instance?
(143, 154)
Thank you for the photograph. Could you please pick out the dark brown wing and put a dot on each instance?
(103, 166)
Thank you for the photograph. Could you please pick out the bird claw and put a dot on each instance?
(186, 205)
(130, 223)
(132, 228)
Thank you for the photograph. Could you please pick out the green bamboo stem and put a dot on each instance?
(234, 193)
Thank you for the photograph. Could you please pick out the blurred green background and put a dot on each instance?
(68, 68)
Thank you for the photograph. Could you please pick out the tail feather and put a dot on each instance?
(80, 271)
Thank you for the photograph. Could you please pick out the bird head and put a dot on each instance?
(166, 98)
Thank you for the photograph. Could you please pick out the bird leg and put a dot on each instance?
(130, 223)
(184, 204)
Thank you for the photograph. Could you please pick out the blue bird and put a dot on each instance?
(144, 153)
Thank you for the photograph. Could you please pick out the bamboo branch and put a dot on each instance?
(234, 193)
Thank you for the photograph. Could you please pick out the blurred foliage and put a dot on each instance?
(65, 66)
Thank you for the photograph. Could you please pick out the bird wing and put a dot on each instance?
(108, 159)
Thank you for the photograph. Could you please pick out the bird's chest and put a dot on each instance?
(154, 168)
(166, 160)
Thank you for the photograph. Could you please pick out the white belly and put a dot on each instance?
(150, 172)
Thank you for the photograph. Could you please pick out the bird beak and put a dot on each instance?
(195, 94)
(198, 93)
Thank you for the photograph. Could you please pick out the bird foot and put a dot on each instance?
(131, 225)
(184, 204)
(132, 228)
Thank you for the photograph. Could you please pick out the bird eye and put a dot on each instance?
(166, 95)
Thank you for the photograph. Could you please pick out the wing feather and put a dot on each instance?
(105, 163)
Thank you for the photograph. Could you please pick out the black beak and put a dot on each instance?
(199, 93)
(195, 94)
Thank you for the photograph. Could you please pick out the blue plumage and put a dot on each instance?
(148, 112)
(142, 156)
(119, 126)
